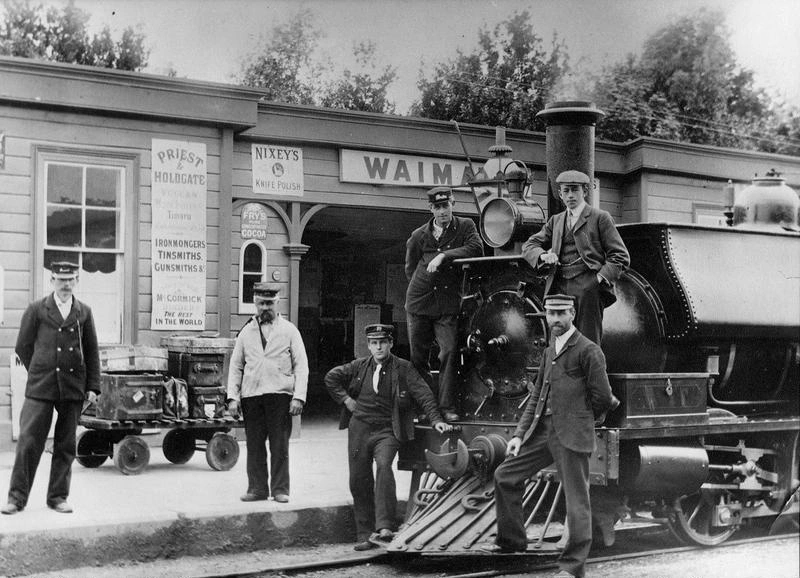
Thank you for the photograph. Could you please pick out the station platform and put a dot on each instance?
(170, 511)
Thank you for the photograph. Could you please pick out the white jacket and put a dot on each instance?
(280, 367)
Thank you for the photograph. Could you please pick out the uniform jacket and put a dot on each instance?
(597, 241)
(279, 367)
(438, 293)
(61, 355)
(345, 381)
(579, 393)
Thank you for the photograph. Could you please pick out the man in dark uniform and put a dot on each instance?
(376, 392)
(584, 252)
(57, 344)
(570, 395)
(433, 298)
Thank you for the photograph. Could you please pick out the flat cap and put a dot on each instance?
(573, 177)
(379, 331)
(266, 290)
(559, 302)
(64, 269)
(440, 194)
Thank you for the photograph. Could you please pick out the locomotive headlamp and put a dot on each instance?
(504, 221)
(500, 193)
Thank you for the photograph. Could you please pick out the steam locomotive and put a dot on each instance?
(702, 349)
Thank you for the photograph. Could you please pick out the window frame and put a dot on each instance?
(244, 307)
(128, 164)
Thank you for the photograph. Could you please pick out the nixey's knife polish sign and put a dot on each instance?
(277, 170)
(401, 170)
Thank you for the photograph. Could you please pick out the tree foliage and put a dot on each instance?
(287, 66)
(505, 81)
(364, 89)
(687, 86)
(61, 35)
(282, 65)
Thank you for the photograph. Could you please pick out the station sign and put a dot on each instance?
(401, 170)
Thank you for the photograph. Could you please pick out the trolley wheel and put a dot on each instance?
(692, 519)
(178, 446)
(131, 455)
(222, 451)
(92, 449)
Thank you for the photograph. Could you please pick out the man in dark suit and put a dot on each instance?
(376, 393)
(57, 344)
(570, 395)
(583, 251)
(433, 298)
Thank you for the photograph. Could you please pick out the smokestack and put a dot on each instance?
(570, 143)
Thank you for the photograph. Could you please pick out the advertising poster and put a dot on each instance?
(277, 170)
(179, 186)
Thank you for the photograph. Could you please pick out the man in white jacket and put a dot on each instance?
(268, 380)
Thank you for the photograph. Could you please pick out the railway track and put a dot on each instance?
(382, 563)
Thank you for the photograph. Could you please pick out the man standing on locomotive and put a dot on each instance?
(433, 298)
(268, 378)
(57, 344)
(584, 252)
(376, 393)
(570, 396)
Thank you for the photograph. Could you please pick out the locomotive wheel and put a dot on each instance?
(93, 449)
(131, 455)
(222, 452)
(692, 520)
(178, 446)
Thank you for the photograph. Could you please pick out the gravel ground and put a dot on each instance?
(773, 559)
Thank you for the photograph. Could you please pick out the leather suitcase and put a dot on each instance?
(206, 402)
(126, 396)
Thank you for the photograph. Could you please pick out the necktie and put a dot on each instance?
(570, 220)
(376, 377)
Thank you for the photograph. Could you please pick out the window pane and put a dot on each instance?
(99, 262)
(248, 281)
(64, 184)
(252, 258)
(54, 256)
(63, 227)
(101, 229)
(102, 187)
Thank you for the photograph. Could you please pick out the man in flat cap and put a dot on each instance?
(584, 252)
(433, 298)
(376, 394)
(570, 396)
(268, 379)
(57, 344)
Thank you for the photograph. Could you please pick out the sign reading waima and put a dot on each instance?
(277, 170)
(401, 170)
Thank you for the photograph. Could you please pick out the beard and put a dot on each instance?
(266, 316)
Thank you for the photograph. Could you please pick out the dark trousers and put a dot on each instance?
(374, 497)
(541, 449)
(588, 306)
(266, 417)
(35, 422)
(422, 330)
